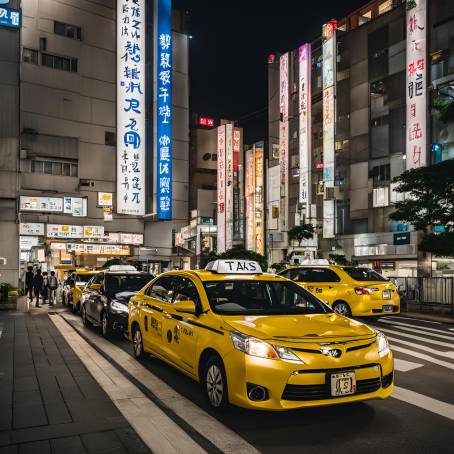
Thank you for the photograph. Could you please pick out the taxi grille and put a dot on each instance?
(320, 392)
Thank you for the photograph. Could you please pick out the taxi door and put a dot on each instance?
(324, 284)
(157, 296)
(179, 333)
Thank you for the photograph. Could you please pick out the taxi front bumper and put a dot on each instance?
(292, 385)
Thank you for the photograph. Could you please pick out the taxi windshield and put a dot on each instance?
(84, 277)
(248, 297)
(126, 282)
(364, 274)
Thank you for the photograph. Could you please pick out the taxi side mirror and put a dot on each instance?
(185, 307)
(95, 286)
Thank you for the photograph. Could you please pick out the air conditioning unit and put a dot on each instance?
(86, 183)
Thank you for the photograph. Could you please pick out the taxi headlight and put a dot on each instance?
(118, 307)
(256, 347)
(382, 343)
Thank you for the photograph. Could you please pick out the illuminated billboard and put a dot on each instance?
(283, 138)
(416, 79)
(228, 186)
(221, 176)
(131, 107)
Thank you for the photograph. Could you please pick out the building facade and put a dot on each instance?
(61, 145)
(369, 116)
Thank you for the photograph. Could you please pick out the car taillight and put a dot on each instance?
(363, 290)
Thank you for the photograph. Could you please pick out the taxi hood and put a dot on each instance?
(299, 328)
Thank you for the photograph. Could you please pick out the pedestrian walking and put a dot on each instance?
(29, 283)
(45, 290)
(37, 285)
(53, 286)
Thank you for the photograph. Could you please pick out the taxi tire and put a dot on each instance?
(106, 325)
(85, 320)
(348, 311)
(138, 354)
(212, 364)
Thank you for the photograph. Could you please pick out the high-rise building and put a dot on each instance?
(364, 111)
(91, 166)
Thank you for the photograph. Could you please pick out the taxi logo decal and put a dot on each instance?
(333, 352)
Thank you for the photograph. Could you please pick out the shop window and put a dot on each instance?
(67, 30)
(50, 167)
(57, 62)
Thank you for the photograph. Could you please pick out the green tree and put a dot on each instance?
(339, 259)
(429, 203)
(239, 252)
(301, 232)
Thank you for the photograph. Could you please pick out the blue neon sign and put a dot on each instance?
(10, 18)
(164, 110)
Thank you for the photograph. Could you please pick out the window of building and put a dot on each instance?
(381, 174)
(385, 6)
(381, 197)
(70, 31)
(57, 62)
(109, 138)
(67, 169)
(365, 17)
(30, 56)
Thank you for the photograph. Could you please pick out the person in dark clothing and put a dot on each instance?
(38, 282)
(53, 285)
(29, 283)
(45, 290)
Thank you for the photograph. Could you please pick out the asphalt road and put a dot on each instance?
(419, 418)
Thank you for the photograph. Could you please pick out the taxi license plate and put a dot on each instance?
(388, 308)
(386, 294)
(343, 384)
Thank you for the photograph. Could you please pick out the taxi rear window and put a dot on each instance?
(364, 274)
(245, 297)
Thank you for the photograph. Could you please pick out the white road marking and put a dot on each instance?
(449, 336)
(154, 427)
(404, 366)
(425, 328)
(414, 319)
(428, 358)
(433, 351)
(418, 338)
(220, 435)
(427, 403)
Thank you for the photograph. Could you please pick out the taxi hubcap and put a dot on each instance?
(341, 309)
(137, 342)
(215, 387)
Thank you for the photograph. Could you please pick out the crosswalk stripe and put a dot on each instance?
(433, 351)
(428, 358)
(419, 338)
(413, 319)
(427, 403)
(404, 366)
(425, 328)
(417, 330)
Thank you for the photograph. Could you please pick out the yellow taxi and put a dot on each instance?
(258, 340)
(348, 290)
(82, 276)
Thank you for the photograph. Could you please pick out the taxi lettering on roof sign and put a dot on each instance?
(258, 340)
(234, 267)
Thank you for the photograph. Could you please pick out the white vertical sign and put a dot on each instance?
(131, 107)
(221, 190)
(328, 218)
(250, 190)
(416, 86)
(283, 140)
(304, 61)
(228, 186)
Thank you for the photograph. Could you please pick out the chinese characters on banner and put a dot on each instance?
(237, 231)
(250, 191)
(10, 18)
(164, 110)
(228, 186)
(416, 86)
(131, 107)
(304, 60)
(328, 70)
(259, 202)
(328, 218)
(283, 139)
(221, 190)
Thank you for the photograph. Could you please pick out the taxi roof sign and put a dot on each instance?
(234, 267)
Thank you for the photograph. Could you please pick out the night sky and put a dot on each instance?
(229, 48)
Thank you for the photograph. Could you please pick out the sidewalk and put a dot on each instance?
(49, 403)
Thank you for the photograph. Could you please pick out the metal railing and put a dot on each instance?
(429, 293)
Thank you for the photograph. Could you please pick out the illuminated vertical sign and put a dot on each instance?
(259, 218)
(131, 107)
(416, 86)
(164, 109)
(328, 218)
(283, 139)
(236, 185)
(228, 186)
(221, 190)
(250, 191)
(304, 62)
(328, 78)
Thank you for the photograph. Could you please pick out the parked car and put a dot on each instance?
(106, 296)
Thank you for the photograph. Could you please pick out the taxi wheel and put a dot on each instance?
(215, 383)
(106, 325)
(137, 343)
(85, 320)
(342, 308)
